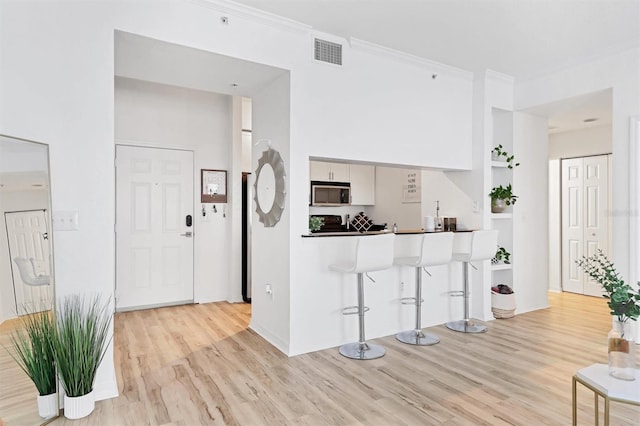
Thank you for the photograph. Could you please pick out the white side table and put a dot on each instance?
(596, 377)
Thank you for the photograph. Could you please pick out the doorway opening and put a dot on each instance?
(580, 147)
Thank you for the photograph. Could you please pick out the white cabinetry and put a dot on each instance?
(361, 177)
(332, 172)
(363, 184)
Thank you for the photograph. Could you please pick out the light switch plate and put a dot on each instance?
(65, 221)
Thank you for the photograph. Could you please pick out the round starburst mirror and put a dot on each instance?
(269, 187)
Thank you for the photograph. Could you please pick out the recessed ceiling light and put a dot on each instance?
(590, 120)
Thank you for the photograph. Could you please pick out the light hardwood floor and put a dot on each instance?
(199, 364)
(18, 404)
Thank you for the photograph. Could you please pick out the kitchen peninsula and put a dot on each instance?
(320, 299)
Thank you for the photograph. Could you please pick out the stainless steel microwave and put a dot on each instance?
(330, 193)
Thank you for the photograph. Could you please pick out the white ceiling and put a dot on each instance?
(153, 60)
(522, 38)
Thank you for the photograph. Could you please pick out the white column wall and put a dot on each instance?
(531, 213)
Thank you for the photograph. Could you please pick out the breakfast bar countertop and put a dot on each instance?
(386, 231)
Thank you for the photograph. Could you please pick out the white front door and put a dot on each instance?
(154, 245)
(28, 237)
(584, 221)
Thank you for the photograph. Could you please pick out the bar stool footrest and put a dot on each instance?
(353, 310)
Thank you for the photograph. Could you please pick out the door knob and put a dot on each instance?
(187, 234)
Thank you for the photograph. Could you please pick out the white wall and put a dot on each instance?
(530, 215)
(270, 252)
(580, 143)
(454, 202)
(56, 80)
(555, 226)
(618, 72)
(172, 117)
(389, 206)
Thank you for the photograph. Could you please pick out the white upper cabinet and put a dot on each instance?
(361, 177)
(332, 172)
(363, 185)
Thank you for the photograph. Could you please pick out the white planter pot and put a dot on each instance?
(503, 301)
(503, 305)
(79, 407)
(47, 405)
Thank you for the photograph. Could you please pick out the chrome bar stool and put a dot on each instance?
(482, 247)
(435, 249)
(373, 253)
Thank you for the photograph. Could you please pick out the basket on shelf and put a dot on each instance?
(503, 302)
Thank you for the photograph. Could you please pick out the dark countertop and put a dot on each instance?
(356, 233)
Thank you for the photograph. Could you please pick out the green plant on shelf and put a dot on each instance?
(502, 155)
(503, 193)
(502, 256)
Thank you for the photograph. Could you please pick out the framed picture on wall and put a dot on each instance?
(213, 186)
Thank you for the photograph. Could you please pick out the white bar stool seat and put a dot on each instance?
(483, 247)
(373, 253)
(435, 249)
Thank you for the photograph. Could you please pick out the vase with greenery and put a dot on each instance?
(33, 351)
(624, 305)
(501, 197)
(81, 341)
(498, 153)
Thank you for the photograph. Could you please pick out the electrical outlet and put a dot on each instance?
(476, 207)
(268, 289)
(401, 285)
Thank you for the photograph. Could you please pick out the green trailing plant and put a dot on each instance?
(503, 155)
(623, 300)
(315, 223)
(81, 341)
(502, 255)
(33, 350)
(503, 193)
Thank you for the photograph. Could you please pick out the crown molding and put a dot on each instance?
(253, 14)
(495, 75)
(365, 46)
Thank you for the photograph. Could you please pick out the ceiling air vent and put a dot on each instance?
(327, 51)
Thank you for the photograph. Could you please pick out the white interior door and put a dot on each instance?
(154, 245)
(27, 233)
(584, 222)
(596, 230)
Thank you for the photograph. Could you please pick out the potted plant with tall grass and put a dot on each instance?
(81, 341)
(33, 351)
